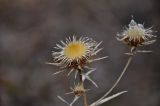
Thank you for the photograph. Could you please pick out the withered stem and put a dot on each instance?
(84, 94)
(118, 80)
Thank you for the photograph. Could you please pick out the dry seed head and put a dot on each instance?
(75, 53)
(136, 35)
(78, 90)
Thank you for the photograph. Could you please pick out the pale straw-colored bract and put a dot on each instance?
(136, 35)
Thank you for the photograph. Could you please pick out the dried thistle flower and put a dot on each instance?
(75, 53)
(78, 90)
(136, 35)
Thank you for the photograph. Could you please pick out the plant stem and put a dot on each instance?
(118, 80)
(84, 94)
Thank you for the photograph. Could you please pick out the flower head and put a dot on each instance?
(78, 90)
(136, 35)
(75, 53)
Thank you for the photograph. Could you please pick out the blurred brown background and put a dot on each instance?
(29, 29)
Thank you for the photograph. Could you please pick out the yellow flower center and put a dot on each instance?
(75, 50)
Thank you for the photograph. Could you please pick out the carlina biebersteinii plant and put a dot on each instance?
(135, 35)
(74, 55)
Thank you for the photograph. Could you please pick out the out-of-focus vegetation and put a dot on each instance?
(30, 28)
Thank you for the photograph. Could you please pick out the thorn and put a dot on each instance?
(98, 59)
(70, 72)
(55, 64)
(58, 72)
(63, 100)
(130, 54)
(144, 51)
(76, 72)
(97, 103)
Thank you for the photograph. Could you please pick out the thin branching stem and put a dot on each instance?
(118, 80)
(84, 94)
